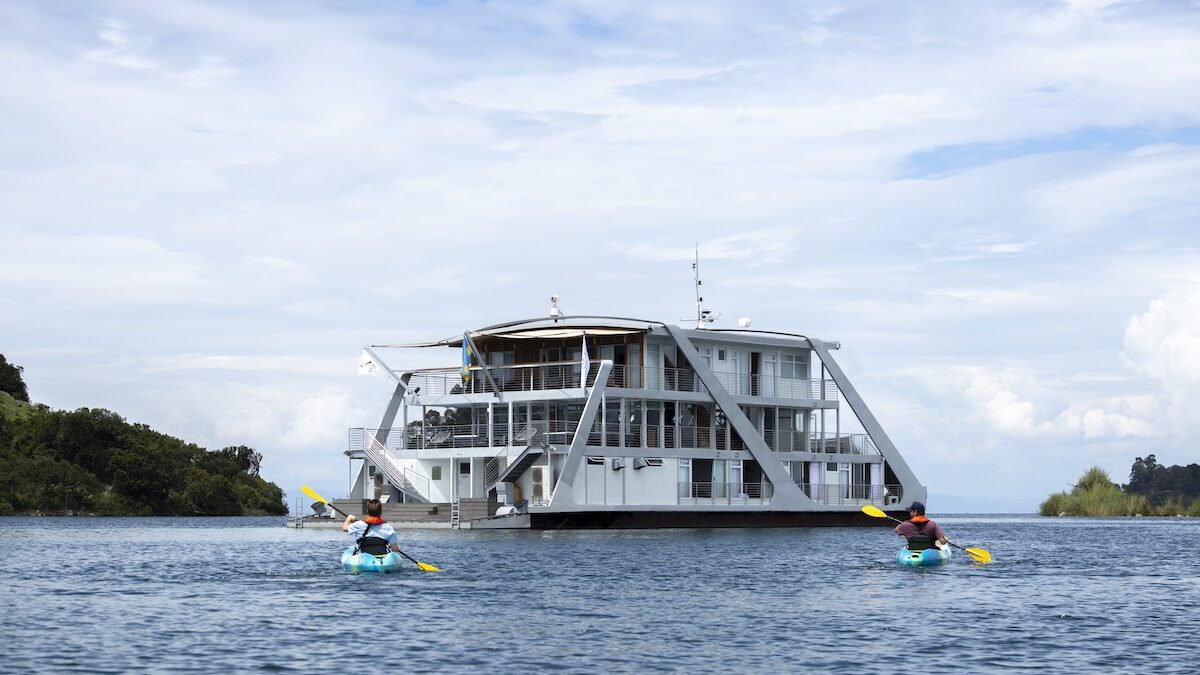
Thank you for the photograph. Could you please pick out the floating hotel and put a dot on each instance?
(605, 422)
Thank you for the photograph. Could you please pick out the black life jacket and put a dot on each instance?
(376, 546)
(920, 541)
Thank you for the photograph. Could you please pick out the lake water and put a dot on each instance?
(1064, 595)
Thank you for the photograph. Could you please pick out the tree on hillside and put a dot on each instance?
(1160, 483)
(11, 382)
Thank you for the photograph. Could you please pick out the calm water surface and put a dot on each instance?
(1064, 595)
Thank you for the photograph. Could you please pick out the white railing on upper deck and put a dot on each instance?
(778, 387)
(829, 443)
(566, 375)
(408, 442)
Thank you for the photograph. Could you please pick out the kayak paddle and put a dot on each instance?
(979, 554)
(425, 567)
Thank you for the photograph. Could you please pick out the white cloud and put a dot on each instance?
(115, 269)
(772, 245)
(1163, 343)
(1120, 189)
(1000, 399)
(230, 188)
(322, 418)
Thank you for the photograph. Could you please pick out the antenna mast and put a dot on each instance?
(703, 316)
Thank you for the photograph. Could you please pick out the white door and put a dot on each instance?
(736, 489)
(718, 480)
(464, 478)
(684, 478)
(594, 488)
(767, 376)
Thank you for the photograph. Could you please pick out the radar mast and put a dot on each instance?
(704, 316)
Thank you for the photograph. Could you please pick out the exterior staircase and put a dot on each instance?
(519, 464)
(414, 486)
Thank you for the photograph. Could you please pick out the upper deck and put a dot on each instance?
(545, 359)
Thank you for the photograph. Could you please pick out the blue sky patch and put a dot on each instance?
(951, 159)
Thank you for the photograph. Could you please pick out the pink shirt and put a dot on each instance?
(907, 529)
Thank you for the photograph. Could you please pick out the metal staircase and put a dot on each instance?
(521, 462)
(414, 486)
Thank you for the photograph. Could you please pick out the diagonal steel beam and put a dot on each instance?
(788, 495)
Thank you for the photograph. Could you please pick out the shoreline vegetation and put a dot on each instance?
(92, 462)
(1153, 490)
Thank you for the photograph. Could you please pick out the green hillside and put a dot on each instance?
(91, 461)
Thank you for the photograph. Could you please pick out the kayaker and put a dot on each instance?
(372, 535)
(920, 531)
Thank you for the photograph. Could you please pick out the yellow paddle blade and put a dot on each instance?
(979, 554)
(313, 493)
(874, 512)
(426, 567)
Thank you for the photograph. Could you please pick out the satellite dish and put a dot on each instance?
(440, 437)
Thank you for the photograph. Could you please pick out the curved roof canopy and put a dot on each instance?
(547, 328)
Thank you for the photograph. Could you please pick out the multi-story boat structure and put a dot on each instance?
(591, 421)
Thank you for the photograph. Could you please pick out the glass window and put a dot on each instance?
(436, 472)
(789, 367)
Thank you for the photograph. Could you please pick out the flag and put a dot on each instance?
(367, 365)
(587, 365)
(467, 353)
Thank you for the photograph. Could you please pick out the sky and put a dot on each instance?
(208, 208)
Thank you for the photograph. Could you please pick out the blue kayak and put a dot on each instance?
(930, 556)
(357, 563)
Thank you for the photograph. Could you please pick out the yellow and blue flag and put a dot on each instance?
(467, 354)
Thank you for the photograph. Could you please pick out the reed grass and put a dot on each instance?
(1096, 495)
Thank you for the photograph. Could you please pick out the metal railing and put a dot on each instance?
(854, 494)
(799, 441)
(725, 493)
(744, 384)
(525, 377)
(402, 477)
(409, 442)
(563, 375)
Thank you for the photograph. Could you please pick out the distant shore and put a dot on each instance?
(1153, 491)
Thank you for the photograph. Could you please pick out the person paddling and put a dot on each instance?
(921, 532)
(372, 534)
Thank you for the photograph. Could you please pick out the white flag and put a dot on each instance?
(367, 365)
(587, 365)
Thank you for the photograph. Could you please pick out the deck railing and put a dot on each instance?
(799, 441)
(694, 493)
(564, 375)
(408, 442)
(855, 494)
(402, 477)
